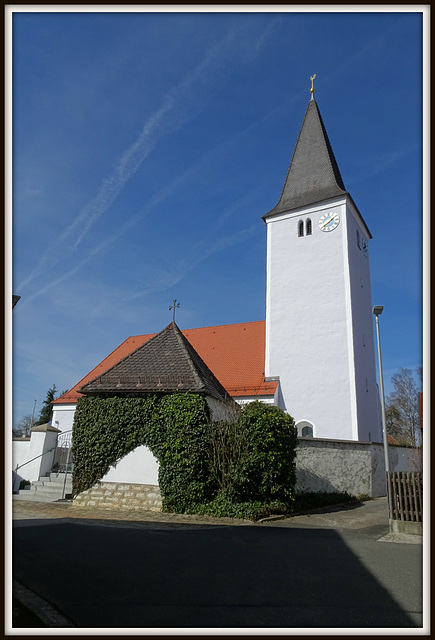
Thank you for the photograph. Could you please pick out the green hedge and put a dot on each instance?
(178, 439)
(241, 469)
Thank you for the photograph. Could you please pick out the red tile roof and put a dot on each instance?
(233, 352)
(165, 363)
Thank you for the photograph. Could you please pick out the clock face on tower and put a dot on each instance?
(329, 221)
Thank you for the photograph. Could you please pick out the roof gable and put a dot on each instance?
(167, 362)
(233, 352)
(313, 174)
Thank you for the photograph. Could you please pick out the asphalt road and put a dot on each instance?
(296, 573)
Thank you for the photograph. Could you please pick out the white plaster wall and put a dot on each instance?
(222, 410)
(367, 395)
(138, 467)
(319, 326)
(242, 400)
(405, 458)
(63, 416)
(308, 321)
(22, 452)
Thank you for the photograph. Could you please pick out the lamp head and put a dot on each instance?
(377, 310)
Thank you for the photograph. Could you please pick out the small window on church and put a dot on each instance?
(307, 432)
(309, 227)
(358, 239)
(300, 229)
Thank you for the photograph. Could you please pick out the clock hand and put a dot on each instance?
(325, 224)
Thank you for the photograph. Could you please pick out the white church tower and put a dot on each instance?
(319, 323)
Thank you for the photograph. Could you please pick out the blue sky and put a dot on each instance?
(146, 147)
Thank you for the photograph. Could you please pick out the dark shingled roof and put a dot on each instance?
(313, 174)
(165, 363)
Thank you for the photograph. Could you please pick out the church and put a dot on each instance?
(314, 354)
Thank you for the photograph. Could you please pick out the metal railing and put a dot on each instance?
(35, 458)
(66, 444)
(15, 471)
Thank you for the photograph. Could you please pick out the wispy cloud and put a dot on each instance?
(180, 105)
(198, 254)
(379, 163)
(155, 201)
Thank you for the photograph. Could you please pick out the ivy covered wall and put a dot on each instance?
(223, 468)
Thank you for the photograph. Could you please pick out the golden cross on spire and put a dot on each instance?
(312, 86)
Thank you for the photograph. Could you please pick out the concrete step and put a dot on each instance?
(45, 481)
(38, 497)
(54, 477)
(47, 489)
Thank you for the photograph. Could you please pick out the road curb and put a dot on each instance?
(336, 507)
(45, 611)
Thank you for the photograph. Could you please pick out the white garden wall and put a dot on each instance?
(63, 416)
(32, 455)
(137, 467)
(223, 410)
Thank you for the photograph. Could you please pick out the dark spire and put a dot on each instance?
(313, 174)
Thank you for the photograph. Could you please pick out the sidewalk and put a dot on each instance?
(26, 510)
(371, 515)
(347, 516)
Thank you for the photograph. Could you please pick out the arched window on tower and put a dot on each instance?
(309, 227)
(358, 241)
(300, 229)
(305, 429)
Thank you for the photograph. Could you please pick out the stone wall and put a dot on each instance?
(331, 466)
(335, 466)
(117, 495)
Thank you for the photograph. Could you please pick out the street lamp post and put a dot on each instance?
(33, 414)
(377, 310)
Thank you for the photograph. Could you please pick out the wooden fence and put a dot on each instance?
(405, 495)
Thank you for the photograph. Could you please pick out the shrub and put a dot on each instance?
(178, 439)
(227, 449)
(268, 472)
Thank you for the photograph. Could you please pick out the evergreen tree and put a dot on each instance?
(47, 409)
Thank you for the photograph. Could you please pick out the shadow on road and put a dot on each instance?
(118, 575)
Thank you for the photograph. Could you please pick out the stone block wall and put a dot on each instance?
(117, 495)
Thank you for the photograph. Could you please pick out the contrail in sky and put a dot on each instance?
(180, 105)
